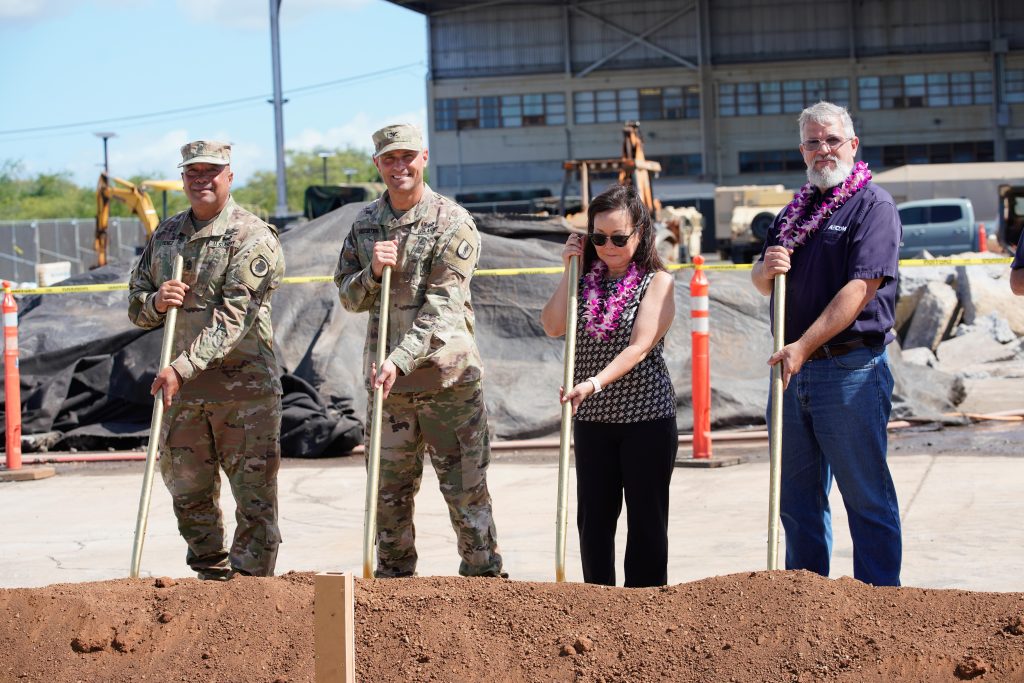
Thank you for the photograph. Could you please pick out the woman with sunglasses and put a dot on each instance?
(623, 400)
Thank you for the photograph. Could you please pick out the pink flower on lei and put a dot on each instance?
(793, 234)
(602, 317)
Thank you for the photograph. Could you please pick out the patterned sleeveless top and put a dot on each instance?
(644, 393)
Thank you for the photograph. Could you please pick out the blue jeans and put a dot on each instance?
(835, 413)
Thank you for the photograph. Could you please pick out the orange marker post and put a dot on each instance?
(982, 238)
(701, 363)
(12, 380)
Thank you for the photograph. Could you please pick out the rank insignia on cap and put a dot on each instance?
(259, 266)
(464, 250)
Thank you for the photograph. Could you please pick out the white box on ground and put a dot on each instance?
(48, 274)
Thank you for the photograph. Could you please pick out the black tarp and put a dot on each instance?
(85, 369)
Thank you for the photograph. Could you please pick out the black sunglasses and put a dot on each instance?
(600, 239)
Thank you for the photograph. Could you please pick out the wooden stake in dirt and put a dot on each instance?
(562, 515)
(155, 427)
(775, 438)
(334, 628)
(373, 457)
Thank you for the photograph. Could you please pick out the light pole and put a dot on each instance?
(105, 136)
(325, 156)
(349, 172)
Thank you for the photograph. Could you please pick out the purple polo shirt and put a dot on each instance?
(860, 241)
(1018, 256)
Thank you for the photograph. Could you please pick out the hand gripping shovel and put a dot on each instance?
(155, 428)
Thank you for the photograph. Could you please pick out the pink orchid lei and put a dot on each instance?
(792, 233)
(601, 320)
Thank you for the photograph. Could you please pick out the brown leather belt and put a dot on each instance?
(839, 349)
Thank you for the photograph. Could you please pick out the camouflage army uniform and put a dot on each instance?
(436, 404)
(228, 411)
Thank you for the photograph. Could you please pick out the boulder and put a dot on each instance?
(986, 289)
(937, 304)
(976, 347)
(912, 281)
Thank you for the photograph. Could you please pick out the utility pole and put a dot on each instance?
(278, 102)
(105, 136)
(325, 156)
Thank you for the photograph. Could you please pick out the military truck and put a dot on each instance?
(743, 216)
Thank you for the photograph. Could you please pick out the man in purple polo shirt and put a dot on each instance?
(838, 242)
(1017, 269)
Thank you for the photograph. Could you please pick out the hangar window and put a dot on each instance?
(507, 111)
(891, 156)
(911, 91)
(1014, 82)
(771, 161)
(779, 97)
(629, 104)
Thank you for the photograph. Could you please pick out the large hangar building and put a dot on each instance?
(515, 87)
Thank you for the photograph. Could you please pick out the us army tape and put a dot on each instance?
(503, 272)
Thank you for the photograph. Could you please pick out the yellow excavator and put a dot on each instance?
(137, 199)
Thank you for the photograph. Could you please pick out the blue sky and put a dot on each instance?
(70, 68)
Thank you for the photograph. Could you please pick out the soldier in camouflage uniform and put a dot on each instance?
(222, 391)
(431, 379)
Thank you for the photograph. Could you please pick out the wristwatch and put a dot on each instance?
(596, 383)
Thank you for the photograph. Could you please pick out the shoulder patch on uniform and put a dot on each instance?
(259, 266)
(465, 250)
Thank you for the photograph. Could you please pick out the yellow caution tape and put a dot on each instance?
(547, 270)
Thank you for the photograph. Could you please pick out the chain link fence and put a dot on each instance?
(23, 244)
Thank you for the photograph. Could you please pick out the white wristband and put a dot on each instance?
(596, 383)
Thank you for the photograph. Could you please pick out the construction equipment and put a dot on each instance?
(1011, 216)
(743, 216)
(675, 226)
(135, 197)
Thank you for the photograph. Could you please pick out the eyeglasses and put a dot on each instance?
(600, 240)
(833, 143)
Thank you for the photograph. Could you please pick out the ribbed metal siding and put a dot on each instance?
(920, 26)
(497, 40)
(593, 39)
(754, 30)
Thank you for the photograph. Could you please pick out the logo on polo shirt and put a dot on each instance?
(836, 228)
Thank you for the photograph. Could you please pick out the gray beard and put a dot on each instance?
(829, 177)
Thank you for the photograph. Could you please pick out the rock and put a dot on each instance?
(81, 644)
(912, 281)
(993, 323)
(921, 355)
(567, 651)
(583, 644)
(165, 617)
(1015, 627)
(164, 582)
(984, 290)
(970, 667)
(974, 348)
(937, 303)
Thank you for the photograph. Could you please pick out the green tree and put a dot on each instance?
(303, 169)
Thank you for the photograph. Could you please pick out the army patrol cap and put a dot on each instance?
(400, 136)
(205, 152)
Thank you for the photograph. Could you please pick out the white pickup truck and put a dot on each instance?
(939, 226)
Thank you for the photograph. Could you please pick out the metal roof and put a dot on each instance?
(990, 170)
(438, 7)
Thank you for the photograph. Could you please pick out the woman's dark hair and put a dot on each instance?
(626, 197)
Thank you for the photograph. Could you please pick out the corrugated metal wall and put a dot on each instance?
(523, 39)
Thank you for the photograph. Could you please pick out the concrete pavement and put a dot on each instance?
(960, 513)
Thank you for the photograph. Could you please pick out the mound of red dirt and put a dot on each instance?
(778, 626)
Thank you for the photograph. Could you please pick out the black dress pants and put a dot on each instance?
(634, 459)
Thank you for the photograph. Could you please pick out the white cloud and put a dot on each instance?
(355, 132)
(27, 11)
(138, 154)
(32, 10)
(249, 14)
